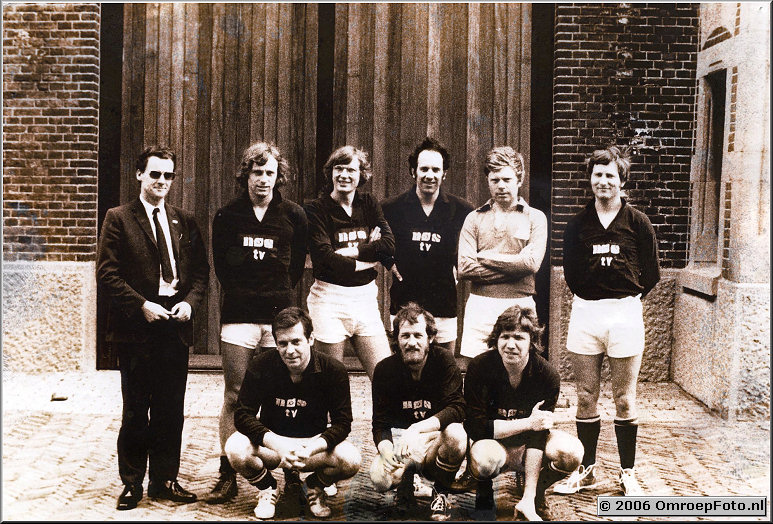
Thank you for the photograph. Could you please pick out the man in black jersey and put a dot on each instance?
(610, 263)
(426, 221)
(295, 389)
(511, 392)
(259, 250)
(418, 409)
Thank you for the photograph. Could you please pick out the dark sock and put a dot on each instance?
(225, 466)
(318, 480)
(547, 477)
(484, 495)
(625, 431)
(443, 475)
(588, 432)
(405, 486)
(262, 480)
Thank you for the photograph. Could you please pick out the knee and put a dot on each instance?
(348, 459)
(238, 449)
(381, 475)
(486, 459)
(625, 406)
(564, 451)
(455, 440)
(587, 400)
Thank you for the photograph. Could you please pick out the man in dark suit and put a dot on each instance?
(153, 265)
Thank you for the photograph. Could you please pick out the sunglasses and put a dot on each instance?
(155, 175)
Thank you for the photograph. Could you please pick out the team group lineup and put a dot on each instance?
(287, 401)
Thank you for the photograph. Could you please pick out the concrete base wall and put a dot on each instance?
(658, 324)
(49, 316)
(722, 349)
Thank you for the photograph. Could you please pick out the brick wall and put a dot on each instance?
(625, 74)
(50, 136)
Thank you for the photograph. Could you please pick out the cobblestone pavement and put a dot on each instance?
(59, 456)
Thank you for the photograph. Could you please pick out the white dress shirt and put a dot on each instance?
(165, 289)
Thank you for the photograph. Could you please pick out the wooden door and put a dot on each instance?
(457, 72)
(208, 79)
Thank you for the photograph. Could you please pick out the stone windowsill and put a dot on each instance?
(704, 280)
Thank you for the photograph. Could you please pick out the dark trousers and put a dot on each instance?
(153, 379)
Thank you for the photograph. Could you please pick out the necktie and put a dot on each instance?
(166, 263)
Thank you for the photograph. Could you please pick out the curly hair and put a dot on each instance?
(342, 156)
(257, 154)
(411, 312)
(428, 144)
(502, 157)
(516, 318)
(620, 156)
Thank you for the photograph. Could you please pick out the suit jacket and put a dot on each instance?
(128, 268)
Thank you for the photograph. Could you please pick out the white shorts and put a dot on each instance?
(446, 328)
(248, 335)
(340, 312)
(614, 326)
(480, 315)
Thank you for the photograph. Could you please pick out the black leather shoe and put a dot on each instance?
(465, 483)
(129, 497)
(225, 489)
(170, 490)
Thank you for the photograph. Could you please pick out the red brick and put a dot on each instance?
(599, 91)
(50, 214)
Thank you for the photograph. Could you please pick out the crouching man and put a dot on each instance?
(295, 389)
(511, 392)
(418, 410)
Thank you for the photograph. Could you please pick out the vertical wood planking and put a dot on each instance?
(421, 66)
(474, 152)
(455, 90)
(352, 114)
(127, 99)
(394, 101)
(380, 97)
(407, 82)
(513, 85)
(215, 151)
(524, 76)
(206, 330)
(231, 28)
(306, 168)
(236, 73)
(367, 75)
(177, 77)
(486, 44)
(283, 78)
(151, 74)
(340, 76)
(244, 88)
(270, 73)
(133, 98)
(434, 30)
(258, 46)
(163, 77)
(298, 28)
(499, 133)
(188, 126)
